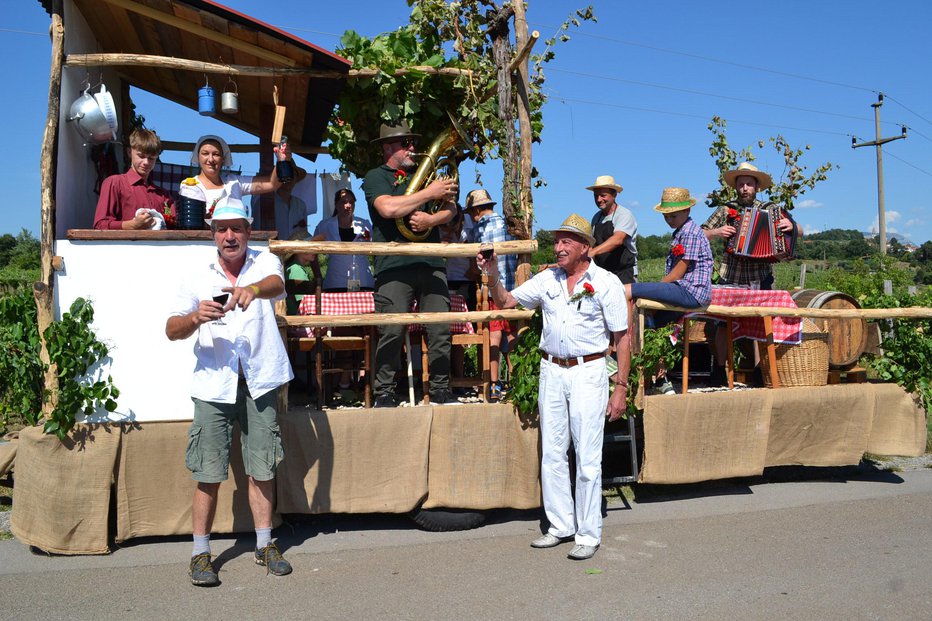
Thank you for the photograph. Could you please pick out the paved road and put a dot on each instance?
(857, 547)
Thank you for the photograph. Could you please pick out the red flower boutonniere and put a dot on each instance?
(400, 177)
(167, 214)
(210, 210)
(366, 236)
(587, 292)
(678, 250)
(732, 213)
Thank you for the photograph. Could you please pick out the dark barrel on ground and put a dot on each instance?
(847, 337)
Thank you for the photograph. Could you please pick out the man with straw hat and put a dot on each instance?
(747, 181)
(241, 363)
(584, 312)
(615, 231)
(400, 279)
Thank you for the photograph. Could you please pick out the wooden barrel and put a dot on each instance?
(847, 337)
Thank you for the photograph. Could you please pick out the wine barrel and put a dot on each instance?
(847, 337)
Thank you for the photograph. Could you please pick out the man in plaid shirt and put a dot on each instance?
(747, 181)
(490, 228)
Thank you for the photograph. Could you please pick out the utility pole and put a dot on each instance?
(878, 142)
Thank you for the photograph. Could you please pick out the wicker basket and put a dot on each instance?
(805, 364)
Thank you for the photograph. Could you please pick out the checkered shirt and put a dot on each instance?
(696, 249)
(738, 270)
(490, 229)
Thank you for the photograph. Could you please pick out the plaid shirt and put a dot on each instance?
(737, 270)
(489, 229)
(696, 249)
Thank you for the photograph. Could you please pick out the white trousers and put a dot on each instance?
(572, 406)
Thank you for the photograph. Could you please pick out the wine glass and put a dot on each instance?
(221, 297)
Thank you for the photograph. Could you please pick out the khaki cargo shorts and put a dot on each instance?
(211, 435)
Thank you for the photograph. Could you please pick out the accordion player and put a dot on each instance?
(758, 237)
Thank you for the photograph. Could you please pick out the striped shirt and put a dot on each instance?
(576, 327)
(696, 249)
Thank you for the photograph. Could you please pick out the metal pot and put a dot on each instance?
(94, 116)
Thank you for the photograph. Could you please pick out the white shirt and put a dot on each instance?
(234, 186)
(250, 339)
(339, 266)
(581, 327)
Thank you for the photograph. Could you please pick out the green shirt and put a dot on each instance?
(380, 182)
(294, 271)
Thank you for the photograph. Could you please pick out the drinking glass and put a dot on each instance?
(221, 297)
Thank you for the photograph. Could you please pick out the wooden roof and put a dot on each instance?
(202, 30)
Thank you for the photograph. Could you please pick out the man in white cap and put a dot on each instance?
(747, 181)
(241, 362)
(584, 311)
(615, 231)
(400, 279)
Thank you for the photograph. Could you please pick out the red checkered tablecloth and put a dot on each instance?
(785, 329)
(362, 303)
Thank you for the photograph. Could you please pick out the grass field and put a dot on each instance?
(786, 274)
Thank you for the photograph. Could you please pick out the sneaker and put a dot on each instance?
(581, 552)
(202, 571)
(385, 401)
(444, 397)
(270, 558)
(549, 541)
(495, 392)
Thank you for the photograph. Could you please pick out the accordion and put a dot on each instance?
(758, 237)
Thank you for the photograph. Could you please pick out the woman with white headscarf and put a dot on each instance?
(211, 154)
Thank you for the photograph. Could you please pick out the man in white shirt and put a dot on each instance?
(584, 312)
(241, 362)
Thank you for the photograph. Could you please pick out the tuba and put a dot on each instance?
(438, 162)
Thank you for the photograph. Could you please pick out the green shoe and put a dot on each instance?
(273, 561)
(202, 571)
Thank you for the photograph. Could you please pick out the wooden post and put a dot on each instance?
(888, 287)
(802, 276)
(525, 198)
(44, 289)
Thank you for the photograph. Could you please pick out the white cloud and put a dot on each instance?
(808, 204)
(811, 230)
(891, 217)
(914, 222)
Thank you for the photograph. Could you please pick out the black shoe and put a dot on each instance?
(718, 377)
(444, 397)
(202, 571)
(270, 558)
(385, 401)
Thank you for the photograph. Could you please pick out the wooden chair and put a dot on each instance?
(481, 338)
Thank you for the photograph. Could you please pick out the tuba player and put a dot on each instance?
(401, 279)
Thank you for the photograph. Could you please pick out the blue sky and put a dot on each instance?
(630, 96)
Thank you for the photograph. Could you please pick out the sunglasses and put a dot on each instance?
(407, 143)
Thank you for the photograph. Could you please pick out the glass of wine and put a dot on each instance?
(221, 297)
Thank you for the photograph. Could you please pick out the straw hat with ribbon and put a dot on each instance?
(746, 169)
(577, 225)
(606, 182)
(674, 199)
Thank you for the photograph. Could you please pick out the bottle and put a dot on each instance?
(284, 168)
(352, 282)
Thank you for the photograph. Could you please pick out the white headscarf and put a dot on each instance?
(224, 148)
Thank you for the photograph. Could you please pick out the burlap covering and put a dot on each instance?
(899, 428)
(353, 461)
(63, 489)
(701, 437)
(154, 488)
(481, 458)
(8, 452)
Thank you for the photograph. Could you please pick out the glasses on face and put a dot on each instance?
(407, 143)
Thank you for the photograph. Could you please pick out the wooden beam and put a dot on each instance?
(399, 319)
(909, 312)
(520, 59)
(201, 31)
(398, 249)
(199, 66)
(175, 145)
(43, 291)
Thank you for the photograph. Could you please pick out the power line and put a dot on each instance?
(715, 95)
(917, 132)
(40, 34)
(925, 172)
(908, 109)
(720, 61)
(696, 116)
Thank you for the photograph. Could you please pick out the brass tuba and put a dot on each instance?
(438, 162)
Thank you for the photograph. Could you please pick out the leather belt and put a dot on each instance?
(566, 363)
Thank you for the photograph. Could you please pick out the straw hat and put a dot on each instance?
(577, 225)
(224, 149)
(478, 198)
(605, 181)
(229, 208)
(394, 132)
(674, 199)
(746, 169)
